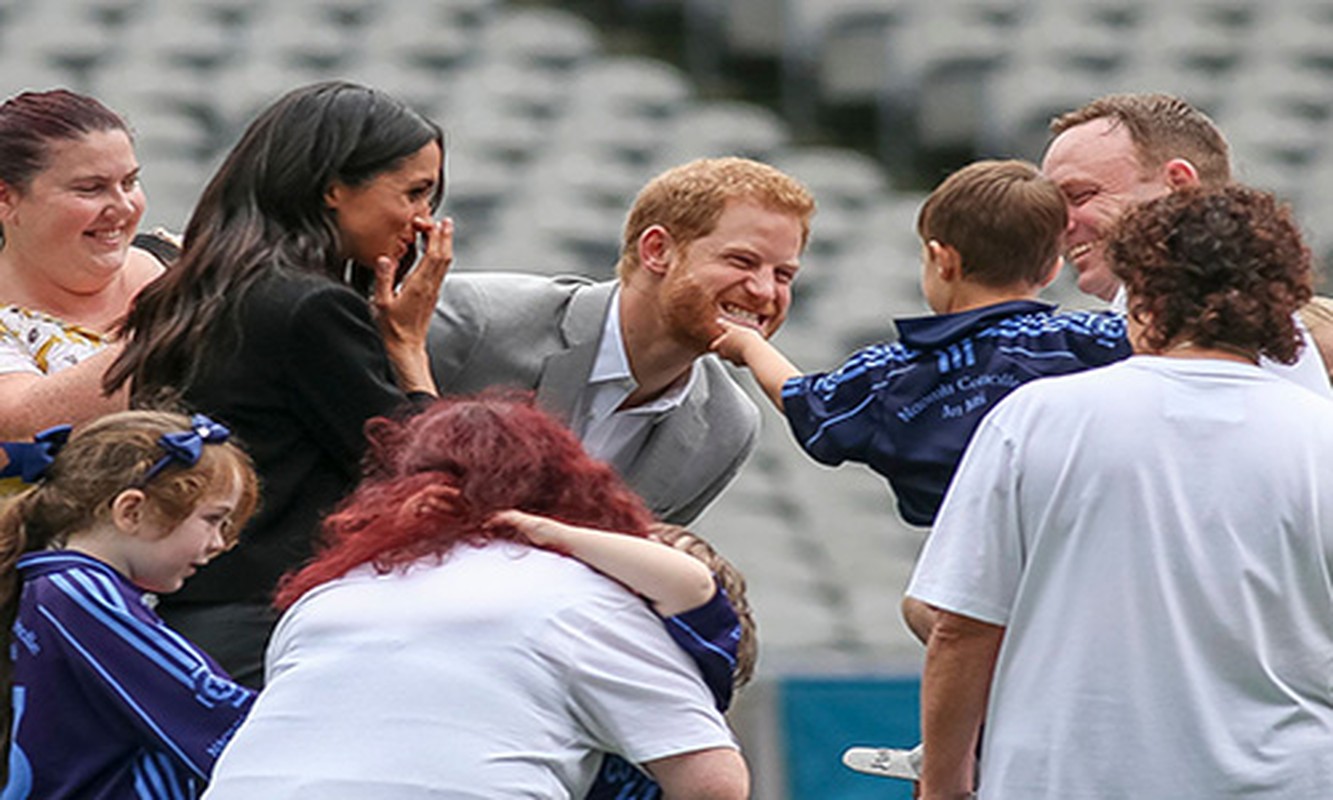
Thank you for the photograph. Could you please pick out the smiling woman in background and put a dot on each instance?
(258, 326)
(70, 202)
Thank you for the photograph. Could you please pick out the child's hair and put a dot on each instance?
(733, 582)
(1005, 219)
(101, 460)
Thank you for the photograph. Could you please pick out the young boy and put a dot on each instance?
(991, 236)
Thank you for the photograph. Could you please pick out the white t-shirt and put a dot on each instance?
(1156, 536)
(503, 672)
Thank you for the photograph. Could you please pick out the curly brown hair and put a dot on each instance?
(1222, 268)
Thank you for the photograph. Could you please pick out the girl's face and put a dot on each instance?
(378, 218)
(76, 218)
(159, 559)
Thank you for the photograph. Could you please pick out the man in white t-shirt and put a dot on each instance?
(1121, 150)
(1133, 565)
(503, 671)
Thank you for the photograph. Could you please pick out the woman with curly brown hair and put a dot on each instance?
(1133, 564)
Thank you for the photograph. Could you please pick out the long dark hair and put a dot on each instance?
(264, 209)
(434, 481)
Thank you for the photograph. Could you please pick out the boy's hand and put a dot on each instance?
(747, 347)
(736, 342)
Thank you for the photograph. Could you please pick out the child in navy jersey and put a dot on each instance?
(699, 595)
(990, 236)
(108, 702)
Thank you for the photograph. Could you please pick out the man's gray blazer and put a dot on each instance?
(540, 333)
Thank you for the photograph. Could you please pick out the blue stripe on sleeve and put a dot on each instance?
(707, 645)
(1035, 354)
(101, 587)
(119, 690)
(179, 664)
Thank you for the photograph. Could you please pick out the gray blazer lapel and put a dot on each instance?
(675, 440)
(564, 375)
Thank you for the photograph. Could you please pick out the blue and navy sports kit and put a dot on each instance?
(108, 701)
(711, 635)
(908, 409)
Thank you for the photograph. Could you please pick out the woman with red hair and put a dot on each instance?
(430, 651)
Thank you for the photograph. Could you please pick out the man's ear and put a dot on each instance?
(657, 250)
(945, 260)
(1180, 173)
(128, 509)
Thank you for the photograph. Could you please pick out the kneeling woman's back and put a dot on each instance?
(429, 652)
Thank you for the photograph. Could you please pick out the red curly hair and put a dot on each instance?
(433, 481)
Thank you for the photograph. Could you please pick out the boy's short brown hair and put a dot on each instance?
(1005, 219)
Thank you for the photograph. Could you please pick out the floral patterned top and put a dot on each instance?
(31, 341)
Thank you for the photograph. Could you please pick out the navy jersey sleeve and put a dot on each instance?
(834, 416)
(167, 690)
(710, 635)
(339, 371)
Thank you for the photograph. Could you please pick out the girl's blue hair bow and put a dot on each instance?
(28, 461)
(185, 447)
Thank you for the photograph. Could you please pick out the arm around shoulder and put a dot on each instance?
(719, 773)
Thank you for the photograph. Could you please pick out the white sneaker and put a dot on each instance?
(885, 762)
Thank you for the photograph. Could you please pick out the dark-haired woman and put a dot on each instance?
(1136, 563)
(70, 202)
(264, 324)
(430, 651)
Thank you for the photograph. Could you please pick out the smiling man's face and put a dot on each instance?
(742, 271)
(1097, 167)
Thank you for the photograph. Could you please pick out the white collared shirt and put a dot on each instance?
(607, 429)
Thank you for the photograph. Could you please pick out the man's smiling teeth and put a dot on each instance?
(741, 314)
(1079, 250)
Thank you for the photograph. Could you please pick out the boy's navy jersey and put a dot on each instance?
(108, 701)
(909, 409)
(711, 635)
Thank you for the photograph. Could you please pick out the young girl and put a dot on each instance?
(698, 593)
(107, 700)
